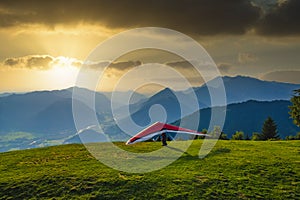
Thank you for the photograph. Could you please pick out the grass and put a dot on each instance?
(233, 170)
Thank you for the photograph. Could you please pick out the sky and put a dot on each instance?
(45, 43)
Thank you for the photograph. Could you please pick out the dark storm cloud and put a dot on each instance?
(284, 19)
(191, 16)
(199, 17)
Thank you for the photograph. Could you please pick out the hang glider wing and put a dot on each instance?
(157, 129)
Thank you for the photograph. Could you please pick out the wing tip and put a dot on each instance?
(129, 142)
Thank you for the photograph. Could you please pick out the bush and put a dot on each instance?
(293, 137)
(239, 135)
(256, 136)
(223, 136)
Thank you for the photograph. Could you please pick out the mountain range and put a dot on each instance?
(238, 89)
(241, 89)
(45, 117)
(247, 117)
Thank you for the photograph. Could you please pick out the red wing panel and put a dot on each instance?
(151, 129)
(158, 126)
(176, 128)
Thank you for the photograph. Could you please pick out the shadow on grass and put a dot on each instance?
(218, 152)
(159, 157)
(178, 150)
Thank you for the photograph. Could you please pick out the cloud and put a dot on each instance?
(196, 17)
(224, 67)
(194, 81)
(180, 64)
(112, 69)
(40, 62)
(204, 17)
(187, 68)
(117, 69)
(45, 62)
(119, 66)
(244, 58)
(282, 20)
(62, 61)
(31, 62)
(291, 76)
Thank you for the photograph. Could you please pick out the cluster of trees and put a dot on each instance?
(268, 132)
(291, 137)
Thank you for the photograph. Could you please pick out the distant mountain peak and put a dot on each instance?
(165, 91)
(240, 78)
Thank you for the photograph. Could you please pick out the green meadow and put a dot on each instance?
(232, 170)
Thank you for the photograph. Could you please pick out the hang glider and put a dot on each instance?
(157, 129)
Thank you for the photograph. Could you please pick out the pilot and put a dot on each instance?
(164, 139)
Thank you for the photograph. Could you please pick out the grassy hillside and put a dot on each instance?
(234, 169)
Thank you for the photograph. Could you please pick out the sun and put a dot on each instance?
(63, 61)
(64, 71)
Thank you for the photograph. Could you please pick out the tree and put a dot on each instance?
(269, 130)
(295, 108)
(239, 135)
(223, 136)
(204, 131)
(215, 133)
